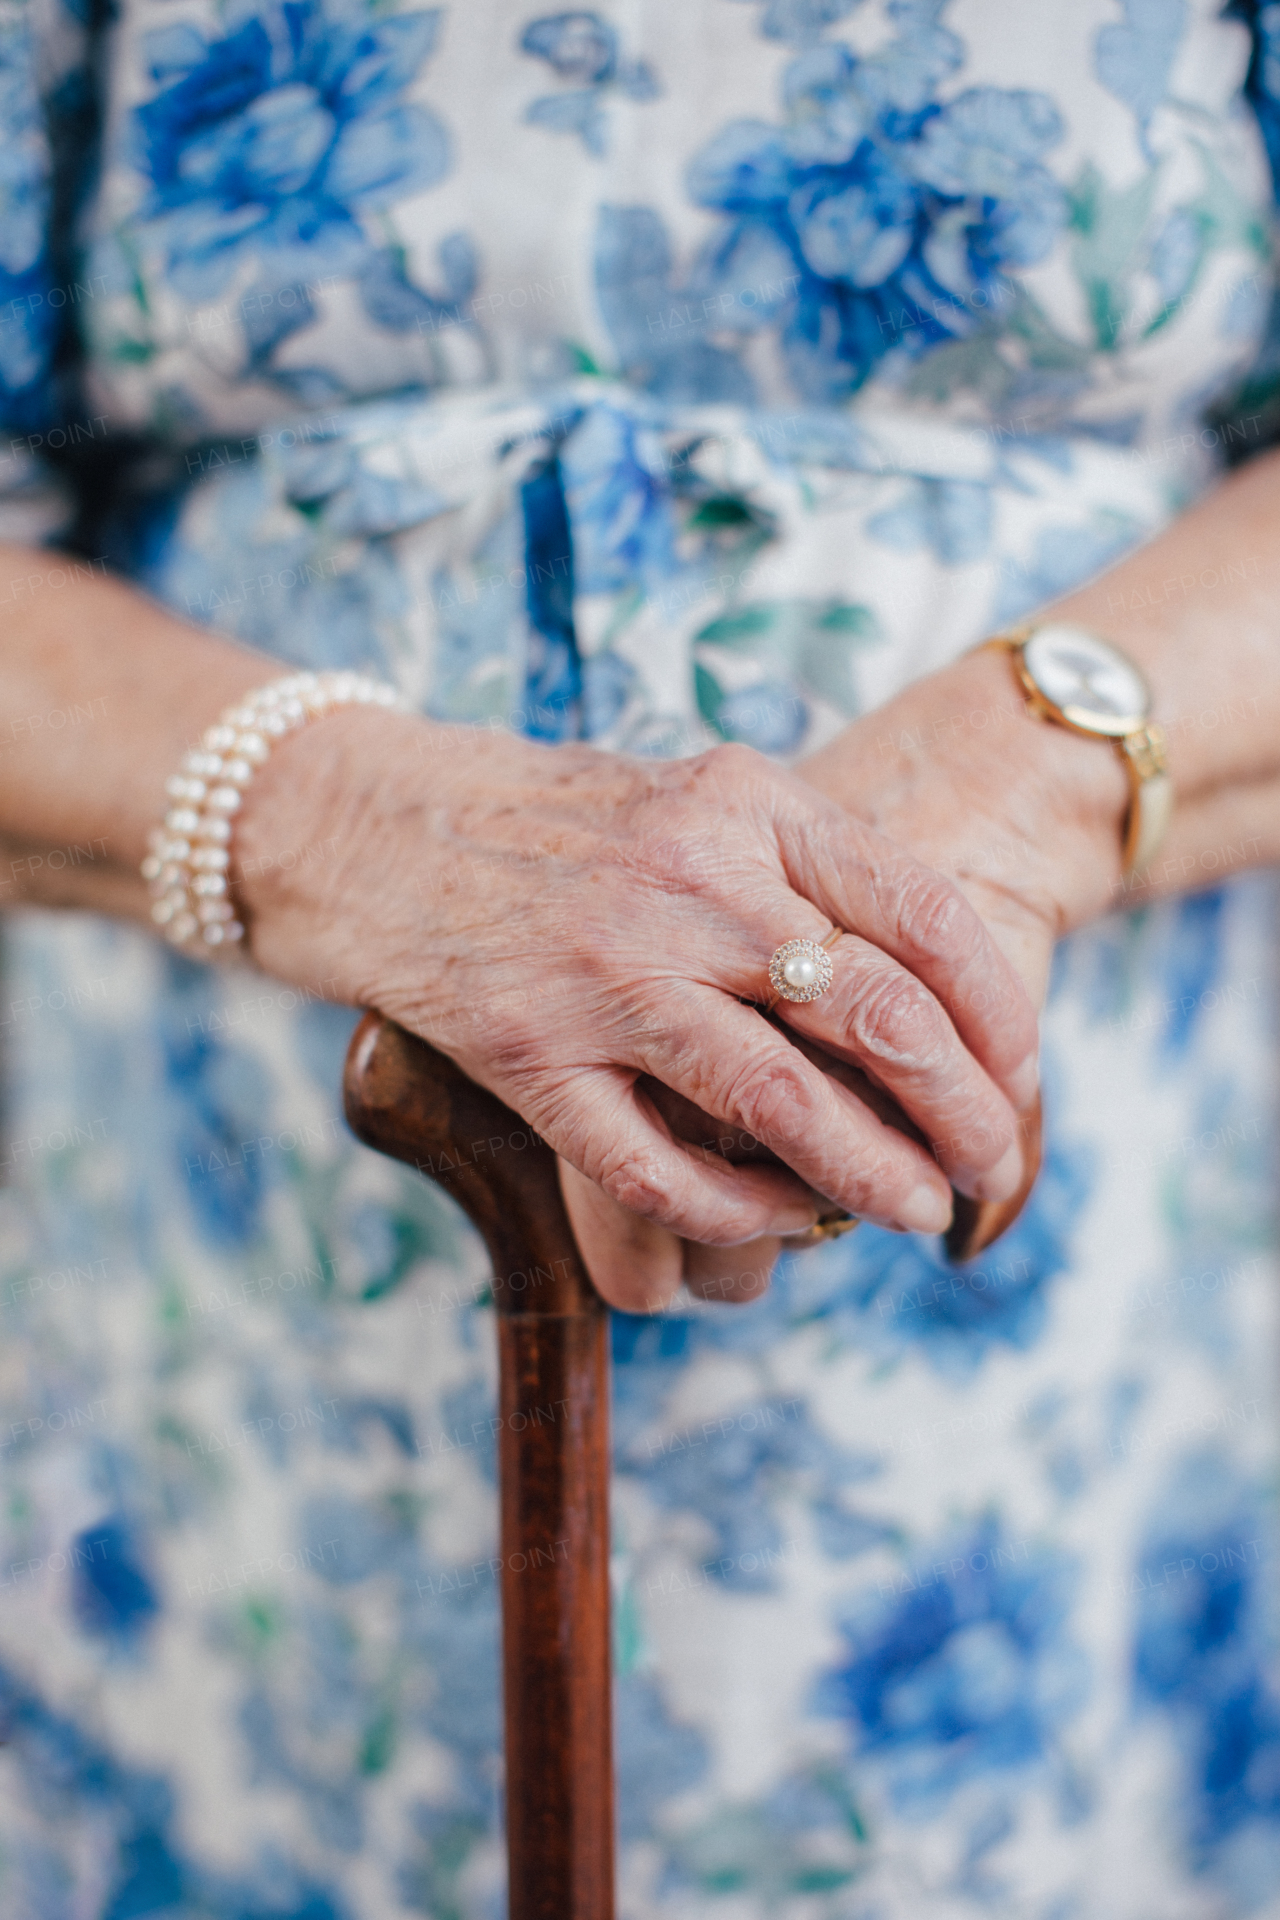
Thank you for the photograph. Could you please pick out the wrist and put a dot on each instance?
(1067, 792)
(958, 769)
(309, 835)
(190, 868)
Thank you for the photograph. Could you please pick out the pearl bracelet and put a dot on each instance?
(188, 866)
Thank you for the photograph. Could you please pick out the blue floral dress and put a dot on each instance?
(659, 375)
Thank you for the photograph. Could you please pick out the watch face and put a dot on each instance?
(1091, 683)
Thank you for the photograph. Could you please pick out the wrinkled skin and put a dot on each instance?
(580, 931)
(1024, 817)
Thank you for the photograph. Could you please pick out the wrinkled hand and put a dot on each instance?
(1023, 817)
(578, 930)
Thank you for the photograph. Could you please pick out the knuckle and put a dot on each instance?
(877, 1182)
(896, 1019)
(733, 761)
(517, 1049)
(681, 860)
(767, 1097)
(936, 919)
(668, 1019)
(669, 849)
(640, 1182)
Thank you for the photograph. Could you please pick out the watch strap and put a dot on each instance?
(1150, 795)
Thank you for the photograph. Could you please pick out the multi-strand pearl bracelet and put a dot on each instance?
(188, 866)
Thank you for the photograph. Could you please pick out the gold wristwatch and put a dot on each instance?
(1079, 680)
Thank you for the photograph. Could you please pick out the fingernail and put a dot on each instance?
(793, 1219)
(1004, 1179)
(925, 1210)
(1024, 1084)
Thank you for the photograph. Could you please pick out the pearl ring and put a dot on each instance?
(801, 969)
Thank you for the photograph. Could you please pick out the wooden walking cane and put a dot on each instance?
(413, 1103)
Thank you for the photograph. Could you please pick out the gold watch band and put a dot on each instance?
(1150, 795)
(1142, 754)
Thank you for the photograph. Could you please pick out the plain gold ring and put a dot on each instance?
(828, 1226)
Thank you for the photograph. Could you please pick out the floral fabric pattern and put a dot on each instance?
(582, 47)
(784, 349)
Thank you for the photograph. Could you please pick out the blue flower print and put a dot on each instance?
(390, 297)
(735, 1473)
(583, 48)
(1062, 555)
(608, 682)
(658, 1757)
(280, 518)
(983, 152)
(801, 21)
(553, 667)
(660, 333)
(217, 1095)
(271, 143)
(789, 652)
(111, 1593)
(146, 1866)
(29, 332)
(856, 224)
(616, 489)
(1262, 84)
(769, 716)
(1191, 964)
(1203, 1649)
(951, 517)
(897, 216)
(1133, 58)
(962, 1667)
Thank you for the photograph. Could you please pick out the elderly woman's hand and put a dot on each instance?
(568, 923)
(1024, 818)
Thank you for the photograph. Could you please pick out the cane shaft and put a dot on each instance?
(555, 1614)
(411, 1102)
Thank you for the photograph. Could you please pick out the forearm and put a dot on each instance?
(1199, 609)
(101, 693)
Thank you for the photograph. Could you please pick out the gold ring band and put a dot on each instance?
(828, 1226)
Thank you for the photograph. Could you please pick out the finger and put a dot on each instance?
(635, 1264)
(697, 1128)
(978, 1223)
(736, 1274)
(880, 1017)
(865, 883)
(609, 1132)
(744, 1070)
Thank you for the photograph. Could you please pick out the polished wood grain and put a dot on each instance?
(411, 1102)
